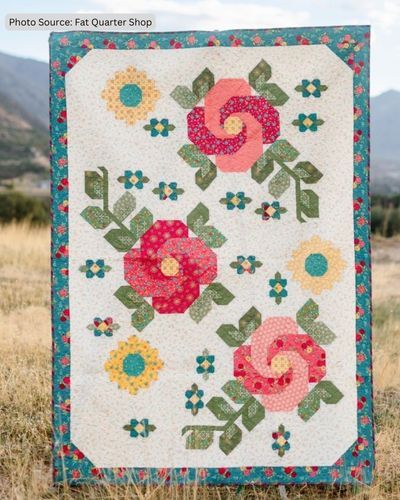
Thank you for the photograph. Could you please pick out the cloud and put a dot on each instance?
(384, 14)
(208, 14)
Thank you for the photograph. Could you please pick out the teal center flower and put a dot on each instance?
(316, 265)
(131, 95)
(134, 365)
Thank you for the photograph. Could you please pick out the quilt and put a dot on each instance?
(210, 256)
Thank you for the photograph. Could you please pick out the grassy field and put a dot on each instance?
(25, 357)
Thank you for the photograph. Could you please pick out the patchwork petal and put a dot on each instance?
(182, 298)
(196, 260)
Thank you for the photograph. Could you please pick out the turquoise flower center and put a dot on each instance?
(316, 264)
(130, 95)
(134, 365)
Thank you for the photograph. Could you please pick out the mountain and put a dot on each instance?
(24, 129)
(26, 82)
(23, 124)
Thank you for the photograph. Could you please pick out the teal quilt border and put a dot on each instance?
(349, 43)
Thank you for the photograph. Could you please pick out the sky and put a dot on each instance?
(181, 15)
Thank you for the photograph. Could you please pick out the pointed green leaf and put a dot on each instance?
(201, 307)
(263, 70)
(219, 294)
(253, 414)
(309, 312)
(193, 156)
(203, 83)
(121, 239)
(196, 159)
(230, 438)
(184, 97)
(141, 223)
(262, 168)
(96, 217)
(250, 321)
(198, 217)
(328, 392)
(124, 206)
(211, 236)
(143, 316)
(317, 330)
(309, 203)
(231, 335)
(94, 185)
(199, 439)
(236, 391)
(279, 183)
(204, 177)
(307, 172)
(324, 391)
(282, 150)
(221, 409)
(129, 297)
(272, 93)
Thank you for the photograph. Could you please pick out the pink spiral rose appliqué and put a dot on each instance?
(279, 364)
(233, 125)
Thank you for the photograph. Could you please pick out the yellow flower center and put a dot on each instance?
(281, 441)
(278, 288)
(95, 268)
(139, 428)
(235, 200)
(307, 122)
(233, 125)
(280, 364)
(103, 326)
(270, 211)
(246, 264)
(167, 191)
(205, 364)
(159, 127)
(133, 179)
(311, 88)
(169, 266)
(194, 399)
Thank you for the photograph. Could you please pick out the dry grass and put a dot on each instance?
(25, 385)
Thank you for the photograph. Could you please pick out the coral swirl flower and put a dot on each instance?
(134, 365)
(130, 95)
(233, 125)
(170, 266)
(279, 364)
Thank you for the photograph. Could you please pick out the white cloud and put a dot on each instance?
(384, 14)
(208, 14)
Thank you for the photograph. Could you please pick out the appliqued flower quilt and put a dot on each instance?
(210, 257)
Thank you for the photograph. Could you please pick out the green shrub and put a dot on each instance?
(17, 207)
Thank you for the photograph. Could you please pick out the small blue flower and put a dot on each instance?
(281, 440)
(95, 268)
(167, 191)
(140, 428)
(159, 127)
(133, 179)
(308, 122)
(194, 402)
(205, 364)
(313, 88)
(278, 288)
(235, 200)
(246, 264)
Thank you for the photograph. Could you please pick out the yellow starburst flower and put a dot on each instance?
(134, 365)
(130, 95)
(316, 265)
